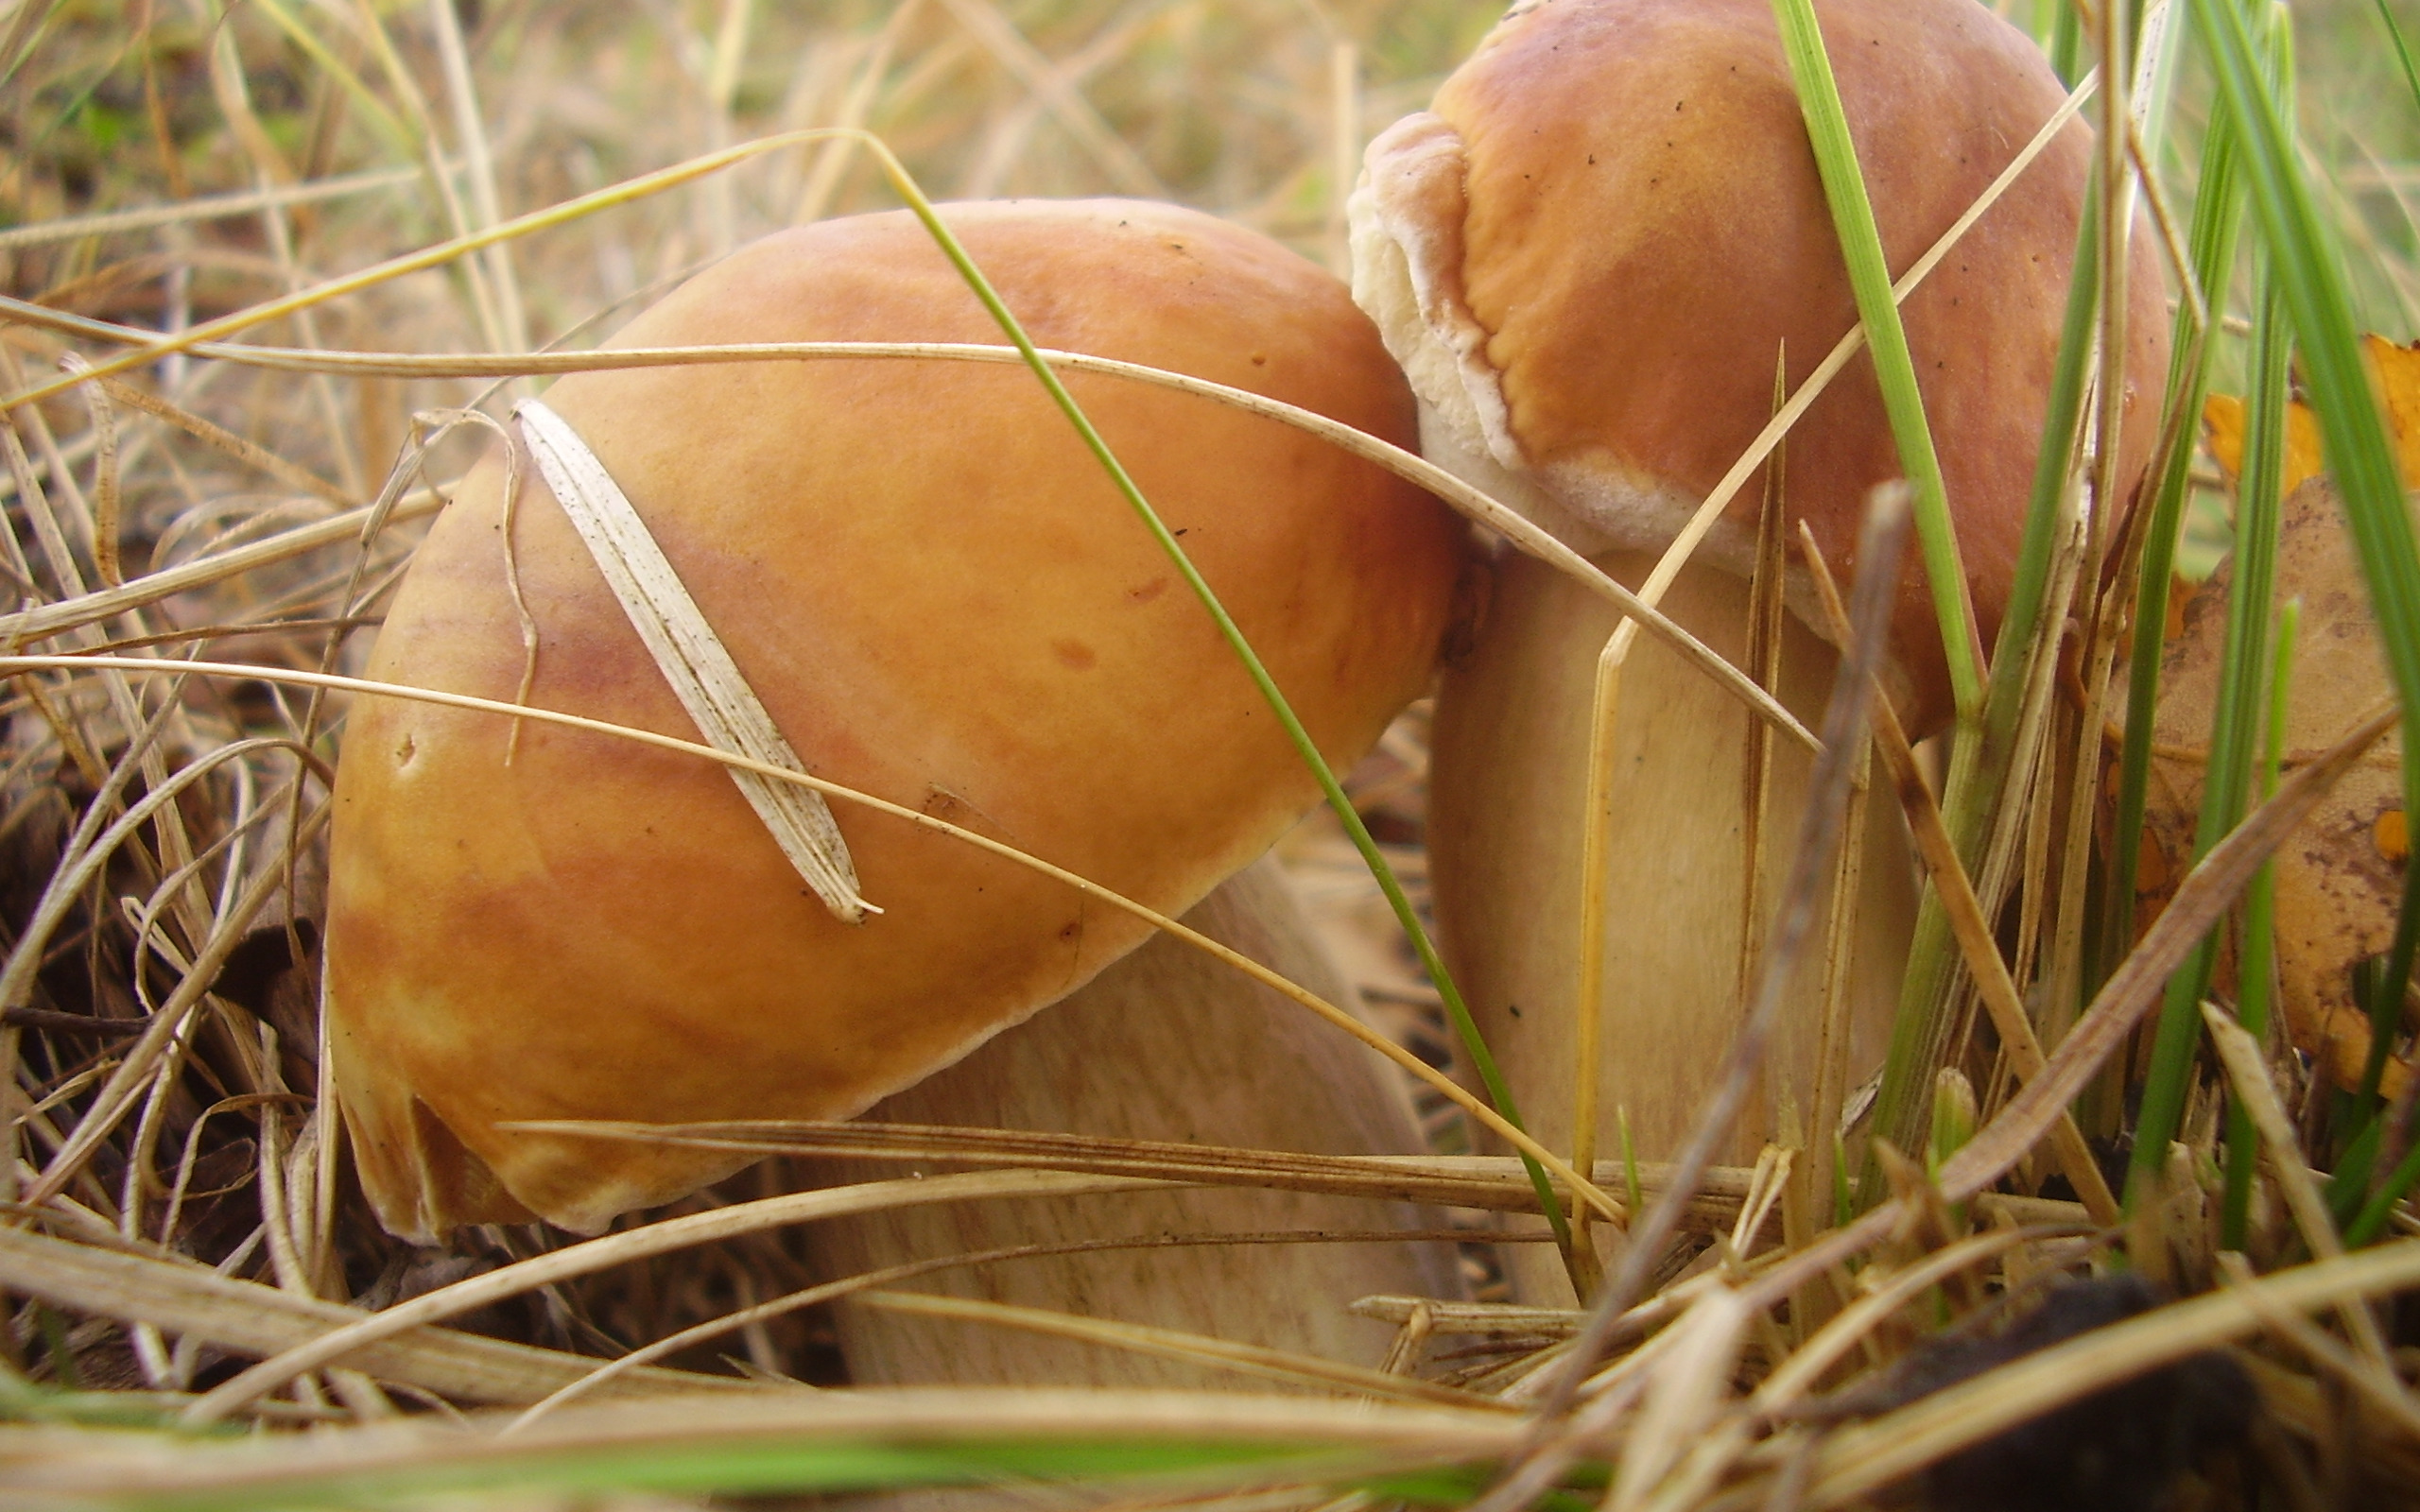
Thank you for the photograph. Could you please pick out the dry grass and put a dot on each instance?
(178, 1214)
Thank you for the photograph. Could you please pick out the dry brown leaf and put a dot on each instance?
(2340, 876)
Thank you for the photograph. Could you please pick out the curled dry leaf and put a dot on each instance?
(2340, 876)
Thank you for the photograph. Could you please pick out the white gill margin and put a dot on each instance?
(692, 658)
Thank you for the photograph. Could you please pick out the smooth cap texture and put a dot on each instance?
(1590, 252)
(941, 601)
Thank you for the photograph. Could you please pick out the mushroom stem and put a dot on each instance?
(1166, 1044)
(1508, 778)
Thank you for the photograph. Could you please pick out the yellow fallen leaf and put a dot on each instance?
(2395, 373)
(2224, 415)
(2398, 378)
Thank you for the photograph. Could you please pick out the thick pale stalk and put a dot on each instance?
(1507, 785)
(1167, 1044)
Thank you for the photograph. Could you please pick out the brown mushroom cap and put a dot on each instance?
(941, 601)
(1590, 251)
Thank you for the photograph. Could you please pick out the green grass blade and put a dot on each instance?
(1921, 1029)
(1457, 1011)
(767, 1465)
(2054, 463)
(2067, 42)
(2371, 1224)
(2402, 51)
(1827, 128)
(2217, 216)
(1900, 1113)
(2235, 718)
(2259, 945)
(2311, 270)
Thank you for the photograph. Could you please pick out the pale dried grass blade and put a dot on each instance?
(1490, 1182)
(182, 1298)
(106, 502)
(48, 621)
(2375, 1382)
(205, 208)
(1523, 535)
(2248, 1072)
(693, 659)
(661, 1238)
(1690, 1385)
(1174, 1344)
(445, 25)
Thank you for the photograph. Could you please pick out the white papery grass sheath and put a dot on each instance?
(702, 674)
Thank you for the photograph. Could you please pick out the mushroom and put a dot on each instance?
(1589, 255)
(941, 601)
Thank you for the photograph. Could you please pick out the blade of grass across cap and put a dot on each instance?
(1827, 130)
(712, 689)
(1457, 1013)
(1869, 274)
(2235, 720)
(1471, 502)
(2310, 273)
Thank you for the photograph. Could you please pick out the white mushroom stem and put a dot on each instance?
(1166, 1044)
(1508, 815)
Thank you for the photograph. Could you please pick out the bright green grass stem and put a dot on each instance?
(2217, 214)
(1902, 1117)
(1827, 130)
(2234, 723)
(1921, 1031)
(2402, 51)
(2353, 433)
(2260, 947)
(1455, 1011)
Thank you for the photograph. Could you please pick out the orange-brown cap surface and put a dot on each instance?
(1589, 253)
(941, 601)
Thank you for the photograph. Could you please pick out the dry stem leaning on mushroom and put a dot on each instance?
(1590, 257)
